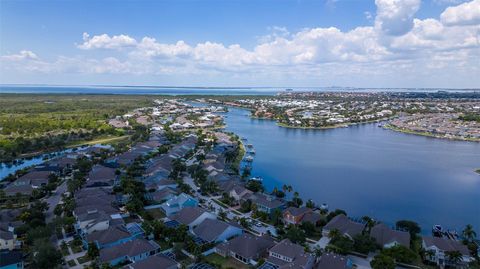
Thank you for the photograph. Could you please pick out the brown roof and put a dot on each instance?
(295, 211)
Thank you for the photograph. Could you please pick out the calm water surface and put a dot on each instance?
(367, 170)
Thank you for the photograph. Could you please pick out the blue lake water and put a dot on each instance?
(367, 170)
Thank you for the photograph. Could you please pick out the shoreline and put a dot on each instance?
(425, 134)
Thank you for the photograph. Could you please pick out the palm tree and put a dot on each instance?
(275, 191)
(334, 233)
(469, 233)
(289, 188)
(454, 256)
(318, 251)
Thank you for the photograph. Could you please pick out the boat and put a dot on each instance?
(249, 146)
(251, 151)
(249, 159)
(437, 230)
(256, 178)
(324, 206)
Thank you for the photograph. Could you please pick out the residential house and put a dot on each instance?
(294, 215)
(192, 216)
(439, 248)
(387, 238)
(28, 182)
(312, 217)
(176, 203)
(8, 240)
(333, 261)
(156, 261)
(344, 225)
(266, 203)
(101, 176)
(11, 260)
(160, 196)
(287, 254)
(238, 193)
(246, 248)
(131, 251)
(213, 230)
(114, 235)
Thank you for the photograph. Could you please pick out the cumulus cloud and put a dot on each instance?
(395, 17)
(106, 42)
(396, 43)
(22, 55)
(464, 14)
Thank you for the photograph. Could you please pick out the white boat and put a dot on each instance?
(256, 178)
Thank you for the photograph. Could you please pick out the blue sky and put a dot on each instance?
(383, 43)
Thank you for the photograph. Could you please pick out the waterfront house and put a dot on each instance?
(266, 203)
(294, 215)
(176, 203)
(387, 238)
(439, 248)
(192, 216)
(26, 183)
(333, 261)
(11, 259)
(246, 248)
(213, 230)
(288, 254)
(155, 261)
(131, 251)
(344, 225)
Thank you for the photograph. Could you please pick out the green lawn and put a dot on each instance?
(224, 263)
(71, 263)
(156, 213)
(83, 259)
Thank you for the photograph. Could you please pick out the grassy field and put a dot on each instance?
(221, 262)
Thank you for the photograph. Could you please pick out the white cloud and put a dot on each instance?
(395, 17)
(397, 45)
(22, 55)
(464, 14)
(106, 42)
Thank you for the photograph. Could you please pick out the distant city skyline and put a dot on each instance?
(382, 43)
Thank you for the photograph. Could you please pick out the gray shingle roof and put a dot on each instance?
(188, 214)
(344, 225)
(445, 244)
(157, 262)
(110, 235)
(130, 249)
(333, 261)
(384, 235)
(248, 245)
(210, 229)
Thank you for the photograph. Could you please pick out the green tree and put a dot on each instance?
(93, 251)
(412, 227)
(382, 262)
(469, 233)
(45, 256)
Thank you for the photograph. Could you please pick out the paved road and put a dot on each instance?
(54, 199)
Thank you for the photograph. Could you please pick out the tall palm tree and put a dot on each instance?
(289, 188)
(334, 233)
(454, 256)
(469, 233)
